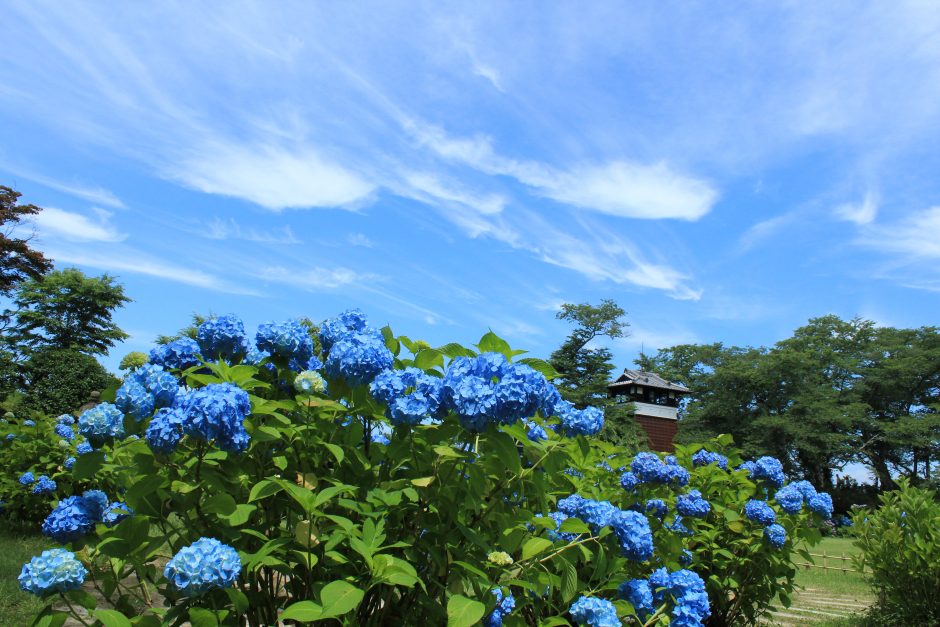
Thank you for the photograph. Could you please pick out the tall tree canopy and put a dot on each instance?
(585, 372)
(18, 262)
(837, 391)
(65, 310)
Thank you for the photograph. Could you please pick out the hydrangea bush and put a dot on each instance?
(381, 481)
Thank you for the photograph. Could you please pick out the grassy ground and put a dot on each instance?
(16, 548)
(828, 598)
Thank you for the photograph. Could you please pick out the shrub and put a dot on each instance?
(382, 481)
(60, 380)
(900, 545)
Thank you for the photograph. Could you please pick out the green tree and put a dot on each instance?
(133, 360)
(66, 310)
(189, 330)
(18, 262)
(584, 372)
(59, 380)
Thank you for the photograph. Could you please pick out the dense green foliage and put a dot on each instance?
(836, 392)
(331, 522)
(900, 545)
(133, 360)
(59, 380)
(18, 262)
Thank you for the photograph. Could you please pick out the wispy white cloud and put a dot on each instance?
(765, 229)
(914, 238)
(94, 194)
(859, 213)
(359, 239)
(270, 176)
(77, 227)
(220, 229)
(316, 278)
(125, 259)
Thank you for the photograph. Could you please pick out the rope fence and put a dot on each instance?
(841, 559)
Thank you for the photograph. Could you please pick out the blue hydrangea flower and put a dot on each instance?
(638, 593)
(536, 432)
(309, 382)
(179, 354)
(587, 421)
(29, 423)
(27, 479)
(161, 384)
(96, 502)
(821, 504)
(770, 469)
(205, 565)
(633, 531)
(789, 498)
(648, 468)
(133, 398)
(287, 340)
(65, 432)
(692, 504)
(44, 485)
(334, 329)
(677, 527)
(84, 448)
(116, 512)
(776, 535)
(411, 395)
(10, 437)
(691, 601)
(806, 489)
(748, 467)
(760, 512)
(101, 423)
(223, 338)
(504, 606)
(594, 612)
(217, 413)
(70, 520)
(69, 463)
(597, 514)
(52, 571)
(359, 357)
(165, 430)
(704, 458)
(65, 419)
(629, 481)
(657, 507)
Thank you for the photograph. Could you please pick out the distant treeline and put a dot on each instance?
(836, 392)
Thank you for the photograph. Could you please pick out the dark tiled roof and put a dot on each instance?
(649, 379)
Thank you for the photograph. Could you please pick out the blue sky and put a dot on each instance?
(722, 173)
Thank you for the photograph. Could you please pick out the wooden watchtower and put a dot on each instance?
(656, 403)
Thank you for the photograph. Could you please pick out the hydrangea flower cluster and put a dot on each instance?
(27, 479)
(760, 512)
(223, 338)
(657, 507)
(101, 423)
(29, 423)
(44, 485)
(309, 382)
(217, 413)
(504, 606)
(410, 395)
(594, 612)
(75, 516)
(133, 399)
(179, 354)
(821, 504)
(631, 528)
(688, 592)
(648, 468)
(704, 458)
(767, 468)
(115, 513)
(334, 329)
(789, 498)
(165, 430)
(639, 594)
(65, 432)
(629, 481)
(553, 534)
(147, 388)
(692, 504)
(65, 419)
(536, 432)
(776, 535)
(52, 571)
(205, 565)
(587, 421)
(84, 447)
(287, 340)
(358, 357)
(68, 463)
